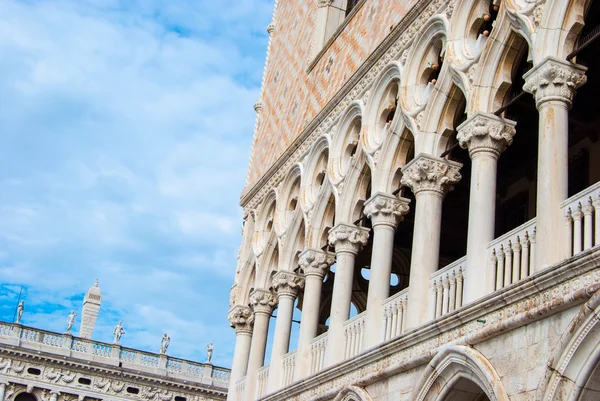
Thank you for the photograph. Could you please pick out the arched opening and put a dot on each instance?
(25, 397)
(466, 390)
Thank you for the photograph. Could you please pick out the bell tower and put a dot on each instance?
(91, 307)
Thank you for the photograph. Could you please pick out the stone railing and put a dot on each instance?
(289, 364)
(512, 254)
(582, 219)
(66, 345)
(354, 330)
(317, 353)
(446, 288)
(394, 315)
(263, 380)
(240, 387)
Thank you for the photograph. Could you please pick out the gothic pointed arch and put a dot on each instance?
(321, 218)
(456, 364)
(353, 393)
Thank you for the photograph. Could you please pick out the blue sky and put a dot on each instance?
(125, 130)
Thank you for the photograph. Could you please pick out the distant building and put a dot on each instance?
(38, 365)
(433, 165)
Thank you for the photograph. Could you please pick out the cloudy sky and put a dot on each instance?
(125, 130)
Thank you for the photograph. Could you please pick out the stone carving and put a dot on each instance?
(554, 79)
(209, 352)
(486, 133)
(70, 321)
(324, 3)
(315, 262)
(348, 238)
(164, 344)
(262, 301)
(386, 209)
(58, 375)
(20, 310)
(241, 319)
(287, 283)
(118, 332)
(427, 173)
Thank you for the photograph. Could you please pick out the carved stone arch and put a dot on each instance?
(345, 142)
(397, 150)
(576, 358)
(316, 164)
(353, 393)
(265, 222)
(268, 263)
(322, 218)
(561, 23)
(414, 89)
(453, 363)
(355, 191)
(288, 199)
(293, 243)
(382, 104)
(464, 43)
(446, 113)
(245, 284)
(245, 250)
(492, 77)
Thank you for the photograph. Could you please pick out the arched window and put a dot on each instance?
(25, 397)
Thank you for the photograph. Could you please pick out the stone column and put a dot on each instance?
(430, 178)
(2, 390)
(486, 136)
(262, 303)
(348, 241)
(241, 319)
(314, 264)
(553, 82)
(385, 212)
(287, 285)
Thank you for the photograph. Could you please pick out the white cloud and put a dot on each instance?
(125, 128)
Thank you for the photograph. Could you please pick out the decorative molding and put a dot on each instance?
(287, 283)
(385, 209)
(431, 174)
(486, 133)
(554, 79)
(315, 262)
(348, 238)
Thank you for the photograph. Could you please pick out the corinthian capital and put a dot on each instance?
(428, 173)
(315, 262)
(554, 79)
(262, 301)
(486, 133)
(385, 209)
(348, 238)
(287, 283)
(241, 319)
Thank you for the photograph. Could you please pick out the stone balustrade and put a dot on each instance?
(289, 364)
(66, 345)
(263, 380)
(513, 254)
(582, 220)
(240, 387)
(446, 286)
(354, 330)
(317, 353)
(394, 315)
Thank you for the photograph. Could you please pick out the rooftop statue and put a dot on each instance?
(70, 321)
(209, 351)
(164, 343)
(20, 309)
(118, 332)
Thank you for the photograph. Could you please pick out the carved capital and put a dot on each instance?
(385, 209)
(348, 238)
(554, 79)
(433, 174)
(486, 133)
(263, 301)
(315, 262)
(241, 319)
(287, 283)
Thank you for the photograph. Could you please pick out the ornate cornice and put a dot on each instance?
(315, 262)
(348, 238)
(486, 133)
(287, 283)
(385, 209)
(431, 174)
(262, 301)
(241, 319)
(554, 79)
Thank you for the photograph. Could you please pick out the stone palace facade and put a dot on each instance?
(39, 365)
(424, 187)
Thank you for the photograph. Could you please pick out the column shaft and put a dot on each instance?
(241, 318)
(2, 391)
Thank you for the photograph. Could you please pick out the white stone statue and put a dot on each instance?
(164, 343)
(118, 332)
(70, 321)
(20, 309)
(209, 351)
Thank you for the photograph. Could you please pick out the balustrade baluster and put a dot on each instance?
(459, 288)
(446, 302)
(500, 278)
(432, 301)
(439, 298)
(508, 255)
(568, 233)
(588, 211)
(452, 305)
(596, 204)
(533, 248)
(516, 269)
(393, 332)
(405, 314)
(577, 221)
(525, 257)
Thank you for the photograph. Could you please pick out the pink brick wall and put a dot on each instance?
(292, 96)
